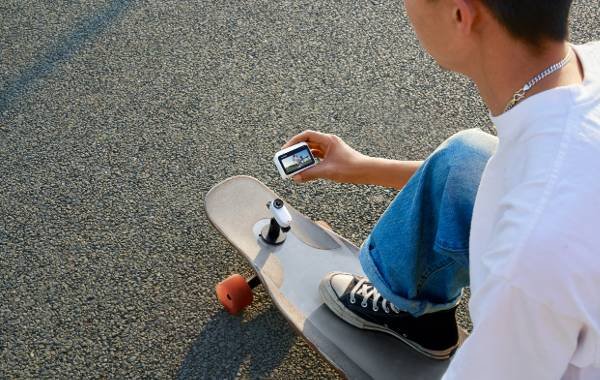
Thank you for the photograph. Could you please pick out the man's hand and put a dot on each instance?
(339, 162)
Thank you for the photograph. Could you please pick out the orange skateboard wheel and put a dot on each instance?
(234, 293)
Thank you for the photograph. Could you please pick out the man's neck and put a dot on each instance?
(505, 68)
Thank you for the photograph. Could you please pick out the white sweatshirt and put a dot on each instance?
(535, 241)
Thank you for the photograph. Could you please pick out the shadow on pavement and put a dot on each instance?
(226, 342)
(63, 50)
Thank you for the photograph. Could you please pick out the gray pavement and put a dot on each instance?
(116, 117)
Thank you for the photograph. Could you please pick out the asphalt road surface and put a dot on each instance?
(116, 117)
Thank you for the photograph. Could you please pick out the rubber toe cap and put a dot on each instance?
(340, 282)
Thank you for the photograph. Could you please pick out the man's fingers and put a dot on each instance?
(314, 139)
(311, 174)
(318, 153)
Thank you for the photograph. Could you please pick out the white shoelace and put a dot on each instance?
(367, 290)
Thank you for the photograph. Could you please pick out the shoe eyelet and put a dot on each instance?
(363, 304)
(375, 308)
(352, 301)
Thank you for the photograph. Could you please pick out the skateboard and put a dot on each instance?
(290, 254)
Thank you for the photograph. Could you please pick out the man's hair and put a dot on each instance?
(533, 21)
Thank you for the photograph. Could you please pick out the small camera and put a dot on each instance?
(275, 232)
(294, 159)
(280, 213)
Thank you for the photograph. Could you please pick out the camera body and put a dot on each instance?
(294, 159)
(280, 213)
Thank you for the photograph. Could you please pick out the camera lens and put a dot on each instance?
(278, 203)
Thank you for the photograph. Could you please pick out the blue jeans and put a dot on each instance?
(417, 256)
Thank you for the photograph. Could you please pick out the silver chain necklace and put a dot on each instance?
(520, 94)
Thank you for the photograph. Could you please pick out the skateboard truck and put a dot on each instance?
(275, 232)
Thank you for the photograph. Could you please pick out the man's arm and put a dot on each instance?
(341, 163)
(384, 172)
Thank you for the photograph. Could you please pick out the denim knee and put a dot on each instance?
(465, 146)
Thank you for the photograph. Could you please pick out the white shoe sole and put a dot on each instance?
(330, 298)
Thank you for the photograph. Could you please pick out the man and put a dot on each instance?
(516, 217)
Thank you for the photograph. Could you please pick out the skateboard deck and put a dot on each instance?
(291, 273)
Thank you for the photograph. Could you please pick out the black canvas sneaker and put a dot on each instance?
(355, 300)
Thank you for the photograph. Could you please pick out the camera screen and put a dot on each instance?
(296, 159)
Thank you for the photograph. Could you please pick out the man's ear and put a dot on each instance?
(464, 14)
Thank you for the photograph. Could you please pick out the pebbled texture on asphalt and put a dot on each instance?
(116, 117)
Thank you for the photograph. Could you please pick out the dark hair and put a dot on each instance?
(533, 21)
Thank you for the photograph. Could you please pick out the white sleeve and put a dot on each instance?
(515, 337)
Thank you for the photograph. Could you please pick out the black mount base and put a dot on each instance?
(272, 233)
